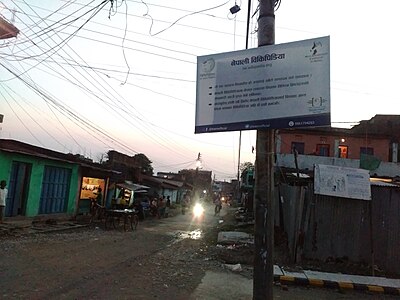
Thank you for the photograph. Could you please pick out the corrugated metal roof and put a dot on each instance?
(301, 175)
(12, 146)
(133, 186)
(382, 183)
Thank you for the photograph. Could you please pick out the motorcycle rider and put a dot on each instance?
(218, 205)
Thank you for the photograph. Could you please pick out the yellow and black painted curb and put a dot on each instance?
(337, 285)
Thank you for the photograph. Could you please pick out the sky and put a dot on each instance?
(85, 77)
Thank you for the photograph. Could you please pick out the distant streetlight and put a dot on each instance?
(198, 164)
(198, 161)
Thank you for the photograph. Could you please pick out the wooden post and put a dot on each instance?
(264, 181)
(371, 235)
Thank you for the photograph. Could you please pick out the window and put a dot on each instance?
(298, 146)
(343, 153)
(394, 153)
(323, 139)
(323, 150)
(90, 187)
(367, 150)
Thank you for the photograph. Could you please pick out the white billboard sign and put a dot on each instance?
(342, 182)
(276, 86)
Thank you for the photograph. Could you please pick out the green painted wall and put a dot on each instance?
(35, 185)
(5, 167)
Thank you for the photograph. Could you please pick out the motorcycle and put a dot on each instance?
(217, 209)
(198, 211)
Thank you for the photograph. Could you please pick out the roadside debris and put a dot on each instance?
(234, 268)
(234, 237)
(244, 217)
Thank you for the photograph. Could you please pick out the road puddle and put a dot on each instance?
(194, 234)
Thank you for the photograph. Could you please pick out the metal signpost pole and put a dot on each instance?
(264, 180)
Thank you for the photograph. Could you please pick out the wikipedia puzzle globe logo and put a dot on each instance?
(208, 65)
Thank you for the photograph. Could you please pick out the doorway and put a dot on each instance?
(322, 149)
(343, 153)
(18, 189)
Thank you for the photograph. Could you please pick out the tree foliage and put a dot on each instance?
(245, 169)
(144, 163)
(245, 166)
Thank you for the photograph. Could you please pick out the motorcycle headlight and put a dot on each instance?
(198, 210)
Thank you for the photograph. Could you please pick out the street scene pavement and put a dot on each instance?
(169, 258)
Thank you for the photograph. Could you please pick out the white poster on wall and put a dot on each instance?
(342, 182)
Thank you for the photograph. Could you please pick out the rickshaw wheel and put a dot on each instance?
(108, 221)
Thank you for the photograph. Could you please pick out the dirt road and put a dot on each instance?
(151, 262)
(162, 259)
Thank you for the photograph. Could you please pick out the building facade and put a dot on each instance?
(38, 182)
(42, 182)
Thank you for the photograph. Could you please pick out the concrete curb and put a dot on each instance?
(283, 279)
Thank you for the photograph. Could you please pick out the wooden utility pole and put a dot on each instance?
(263, 275)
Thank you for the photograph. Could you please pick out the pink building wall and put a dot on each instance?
(311, 140)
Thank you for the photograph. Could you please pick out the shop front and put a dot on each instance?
(90, 188)
(126, 193)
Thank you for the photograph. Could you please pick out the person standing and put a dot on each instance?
(99, 197)
(218, 205)
(185, 202)
(167, 206)
(153, 208)
(3, 196)
(161, 207)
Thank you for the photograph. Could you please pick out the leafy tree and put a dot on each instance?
(144, 163)
(246, 166)
(247, 175)
(102, 158)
